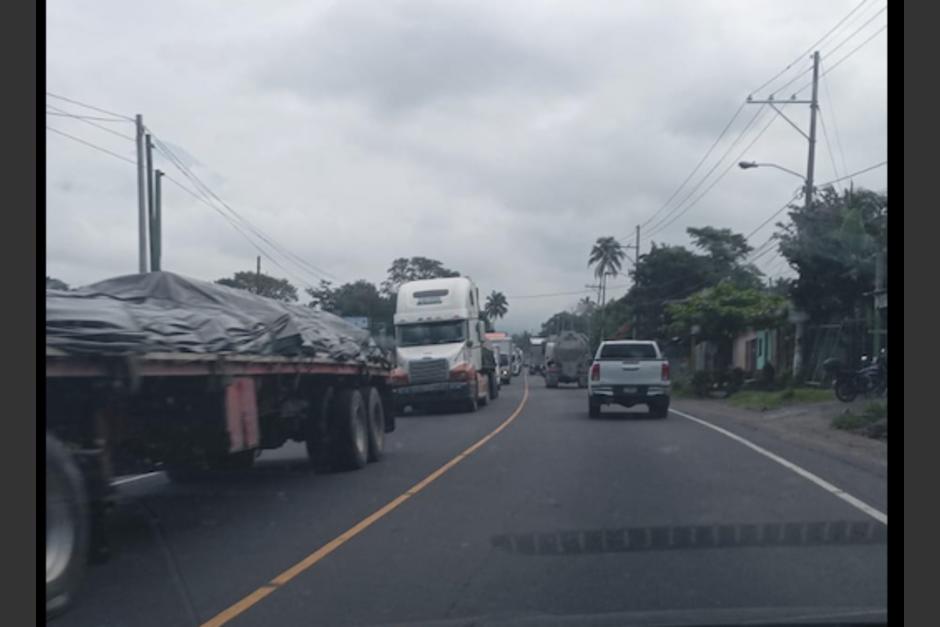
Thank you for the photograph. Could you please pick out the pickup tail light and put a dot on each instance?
(596, 372)
(665, 371)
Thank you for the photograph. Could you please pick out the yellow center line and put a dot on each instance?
(255, 597)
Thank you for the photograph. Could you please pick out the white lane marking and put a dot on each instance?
(135, 478)
(822, 483)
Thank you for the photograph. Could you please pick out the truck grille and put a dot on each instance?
(427, 371)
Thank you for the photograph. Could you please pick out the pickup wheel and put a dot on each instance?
(350, 426)
(659, 409)
(594, 408)
(67, 527)
(376, 425)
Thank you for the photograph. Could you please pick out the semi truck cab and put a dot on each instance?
(440, 345)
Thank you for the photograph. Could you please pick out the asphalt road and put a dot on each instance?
(557, 519)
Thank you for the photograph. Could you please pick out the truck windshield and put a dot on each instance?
(432, 333)
(628, 351)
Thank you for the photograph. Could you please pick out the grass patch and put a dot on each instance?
(870, 414)
(761, 400)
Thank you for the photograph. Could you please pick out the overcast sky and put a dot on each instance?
(501, 138)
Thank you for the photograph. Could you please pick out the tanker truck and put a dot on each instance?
(567, 359)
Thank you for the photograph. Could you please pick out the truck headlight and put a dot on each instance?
(462, 372)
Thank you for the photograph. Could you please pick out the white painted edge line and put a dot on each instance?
(146, 475)
(822, 483)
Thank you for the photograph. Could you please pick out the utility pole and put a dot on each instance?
(810, 172)
(813, 109)
(156, 229)
(141, 203)
(637, 253)
(148, 148)
(258, 276)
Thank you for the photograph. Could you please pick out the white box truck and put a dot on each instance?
(440, 345)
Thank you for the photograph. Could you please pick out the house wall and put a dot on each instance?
(739, 355)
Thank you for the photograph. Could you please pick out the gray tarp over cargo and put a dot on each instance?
(165, 312)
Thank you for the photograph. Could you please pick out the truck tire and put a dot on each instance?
(594, 408)
(317, 431)
(659, 409)
(376, 424)
(493, 385)
(67, 528)
(350, 430)
(472, 404)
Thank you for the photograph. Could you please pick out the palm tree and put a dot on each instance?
(606, 257)
(496, 305)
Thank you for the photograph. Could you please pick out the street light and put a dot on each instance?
(746, 165)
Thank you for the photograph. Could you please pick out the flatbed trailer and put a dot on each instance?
(190, 415)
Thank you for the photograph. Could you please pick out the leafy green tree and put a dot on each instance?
(607, 258)
(833, 249)
(359, 298)
(404, 269)
(725, 310)
(263, 285)
(496, 306)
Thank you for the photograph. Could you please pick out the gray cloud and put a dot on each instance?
(499, 137)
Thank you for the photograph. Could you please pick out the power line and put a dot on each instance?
(835, 125)
(84, 119)
(840, 61)
(772, 216)
(235, 226)
(663, 225)
(856, 173)
(305, 266)
(91, 145)
(811, 47)
(832, 157)
(699, 165)
(288, 254)
(741, 134)
(88, 106)
(828, 52)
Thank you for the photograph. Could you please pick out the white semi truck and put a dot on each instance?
(440, 346)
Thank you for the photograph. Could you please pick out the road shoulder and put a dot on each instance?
(805, 425)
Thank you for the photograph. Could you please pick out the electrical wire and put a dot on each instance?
(663, 225)
(840, 61)
(699, 164)
(91, 145)
(811, 47)
(86, 117)
(186, 171)
(835, 125)
(88, 106)
(832, 157)
(235, 226)
(90, 122)
(757, 114)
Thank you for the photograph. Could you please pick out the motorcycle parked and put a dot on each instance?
(871, 379)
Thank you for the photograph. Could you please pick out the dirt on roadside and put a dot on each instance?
(807, 424)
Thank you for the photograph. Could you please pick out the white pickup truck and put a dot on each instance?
(629, 372)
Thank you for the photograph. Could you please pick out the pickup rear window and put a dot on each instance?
(628, 351)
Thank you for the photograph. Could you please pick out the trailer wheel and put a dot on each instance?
(351, 428)
(67, 527)
(376, 425)
(317, 436)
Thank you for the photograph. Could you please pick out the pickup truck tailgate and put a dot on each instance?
(630, 372)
